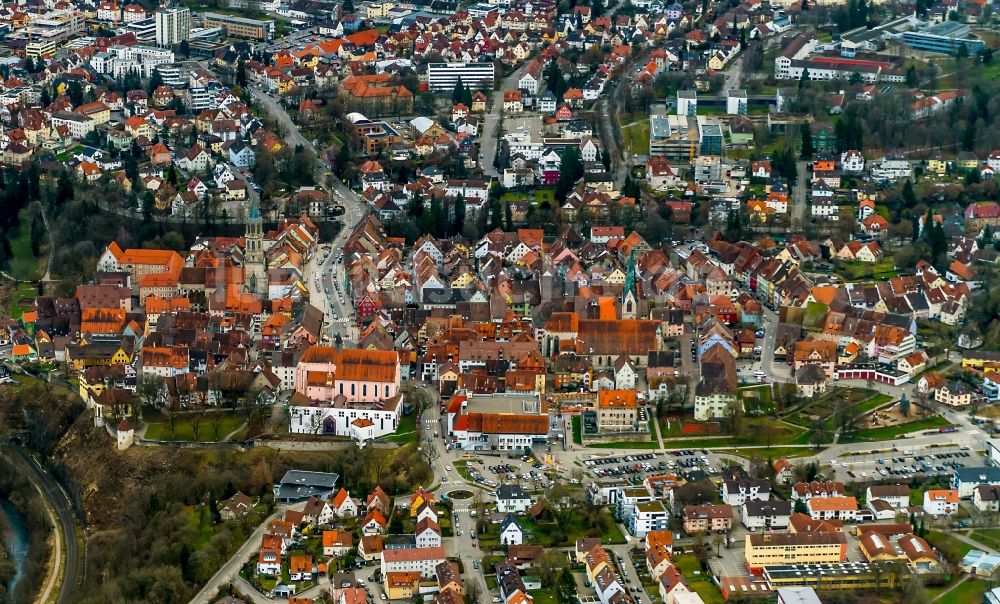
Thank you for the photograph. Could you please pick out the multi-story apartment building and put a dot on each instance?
(172, 25)
(774, 549)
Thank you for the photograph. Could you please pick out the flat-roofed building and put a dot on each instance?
(241, 27)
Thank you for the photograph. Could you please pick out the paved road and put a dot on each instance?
(799, 196)
(355, 211)
(66, 559)
(229, 573)
(491, 125)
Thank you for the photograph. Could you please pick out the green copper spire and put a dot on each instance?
(630, 277)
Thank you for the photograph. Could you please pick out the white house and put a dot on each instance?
(510, 531)
(512, 499)
(428, 533)
(738, 492)
(940, 502)
(269, 562)
(241, 155)
(343, 505)
(773, 514)
(423, 560)
(896, 495)
(833, 508)
(986, 498)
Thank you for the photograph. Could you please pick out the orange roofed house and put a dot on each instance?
(346, 392)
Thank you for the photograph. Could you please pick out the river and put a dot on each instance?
(15, 540)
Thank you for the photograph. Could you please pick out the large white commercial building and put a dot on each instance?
(117, 61)
(444, 76)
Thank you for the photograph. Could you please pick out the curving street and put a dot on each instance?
(66, 562)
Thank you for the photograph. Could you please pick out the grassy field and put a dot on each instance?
(855, 271)
(641, 444)
(688, 565)
(184, 431)
(775, 452)
(12, 304)
(552, 535)
(971, 590)
(23, 263)
(950, 547)
(635, 137)
(989, 537)
(862, 400)
(406, 431)
(783, 434)
(757, 400)
(538, 195)
(544, 596)
(890, 432)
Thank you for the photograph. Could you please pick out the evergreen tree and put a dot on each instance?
(508, 217)
(75, 91)
(909, 197)
(46, 96)
(241, 72)
(459, 217)
(570, 171)
(804, 78)
(805, 133)
(458, 92)
(495, 211)
(155, 80)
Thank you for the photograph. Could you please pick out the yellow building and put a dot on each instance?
(981, 359)
(401, 585)
(793, 548)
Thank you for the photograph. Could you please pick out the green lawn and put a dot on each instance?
(757, 400)
(635, 137)
(989, 537)
(24, 290)
(462, 467)
(890, 432)
(577, 430)
(971, 590)
(544, 596)
(406, 431)
(553, 535)
(541, 195)
(24, 264)
(687, 564)
(709, 593)
(856, 271)
(775, 452)
(782, 434)
(873, 403)
(950, 547)
(184, 431)
(639, 444)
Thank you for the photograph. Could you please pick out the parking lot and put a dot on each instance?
(691, 464)
(905, 464)
(528, 471)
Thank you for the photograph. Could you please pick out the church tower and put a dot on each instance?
(254, 267)
(630, 297)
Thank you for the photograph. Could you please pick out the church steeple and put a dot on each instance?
(630, 296)
(254, 266)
